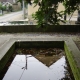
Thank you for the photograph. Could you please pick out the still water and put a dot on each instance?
(27, 67)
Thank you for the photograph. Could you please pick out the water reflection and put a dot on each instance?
(26, 67)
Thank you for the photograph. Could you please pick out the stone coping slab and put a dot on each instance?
(72, 46)
(74, 50)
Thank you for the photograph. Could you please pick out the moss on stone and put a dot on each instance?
(72, 63)
(5, 59)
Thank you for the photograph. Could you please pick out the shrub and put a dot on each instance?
(0, 6)
(4, 8)
(10, 8)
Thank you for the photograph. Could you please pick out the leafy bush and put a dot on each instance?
(0, 6)
(10, 8)
(4, 8)
(47, 13)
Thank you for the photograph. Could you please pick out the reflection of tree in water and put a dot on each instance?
(25, 67)
(47, 56)
(67, 76)
(67, 73)
(40, 54)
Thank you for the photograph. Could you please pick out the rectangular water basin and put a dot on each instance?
(35, 59)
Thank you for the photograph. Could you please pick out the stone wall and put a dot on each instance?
(33, 28)
(16, 7)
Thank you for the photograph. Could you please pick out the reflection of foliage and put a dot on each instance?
(47, 56)
(18, 51)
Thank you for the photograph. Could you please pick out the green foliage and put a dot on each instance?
(47, 13)
(4, 8)
(0, 6)
(26, 1)
(10, 8)
(19, 1)
(71, 5)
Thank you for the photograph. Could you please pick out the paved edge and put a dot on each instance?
(73, 56)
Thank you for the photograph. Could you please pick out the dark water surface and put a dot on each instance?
(27, 67)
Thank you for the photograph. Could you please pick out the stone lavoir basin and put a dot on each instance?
(37, 64)
(36, 60)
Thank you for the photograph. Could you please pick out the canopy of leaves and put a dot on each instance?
(27, 1)
(71, 5)
(47, 13)
(0, 6)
